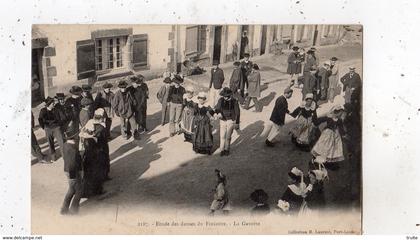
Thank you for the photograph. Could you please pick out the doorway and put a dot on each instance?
(217, 45)
(263, 39)
(37, 85)
(244, 41)
(314, 42)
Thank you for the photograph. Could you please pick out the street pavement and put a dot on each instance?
(159, 174)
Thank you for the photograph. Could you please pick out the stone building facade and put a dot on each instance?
(65, 55)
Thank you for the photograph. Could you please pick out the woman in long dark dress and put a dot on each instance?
(295, 193)
(304, 132)
(96, 155)
(202, 139)
(316, 198)
(188, 114)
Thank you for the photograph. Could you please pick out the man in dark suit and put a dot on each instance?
(140, 92)
(73, 171)
(216, 84)
(278, 116)
(73, 107)
(351, 83)
(246, 66)
(49, 120)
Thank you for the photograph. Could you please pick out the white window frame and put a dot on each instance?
(103, 54)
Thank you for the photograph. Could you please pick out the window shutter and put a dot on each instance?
(202, 38)
(85, 59)
(191, 42)
(139, 51)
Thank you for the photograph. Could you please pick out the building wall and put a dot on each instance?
(62, 39)
(166, 46)
(231, 39)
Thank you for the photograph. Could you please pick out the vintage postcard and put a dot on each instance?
(196, 129)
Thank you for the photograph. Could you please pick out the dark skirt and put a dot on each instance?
(202, 138)
(95, 168)
(294, 68)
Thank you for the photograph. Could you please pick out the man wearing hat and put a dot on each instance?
(86, 91)
(246, 66)
(216, 83)
(352, 83)
(50, 122)
(62, 112)
(333, 79)
(294, 64)
(140, 92)
(313, 49)
(73, 171)
(236, 79)
(175, 98)
(254, 88)
(162, 96)
(86, 113)
(278, 116)
(73, 107)
(322, 77)
(228, 111)
(123, 105)
(104, 100)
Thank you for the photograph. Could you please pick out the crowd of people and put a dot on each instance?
(330, 139)
(81, 124)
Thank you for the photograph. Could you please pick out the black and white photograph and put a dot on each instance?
(196, 129)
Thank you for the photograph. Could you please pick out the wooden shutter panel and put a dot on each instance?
(202, 38)
(139, 51)
(191, 40)
(85, 59)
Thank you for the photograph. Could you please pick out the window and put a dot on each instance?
(109, 52)
(195, 39)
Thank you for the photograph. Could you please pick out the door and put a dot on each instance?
(244, 41)
(263, 39)
(37, 84)
(217, 47)
(315, 35)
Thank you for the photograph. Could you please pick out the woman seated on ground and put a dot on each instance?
(202, 138)
(221, 195)
(190, 68)
(304, 133)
